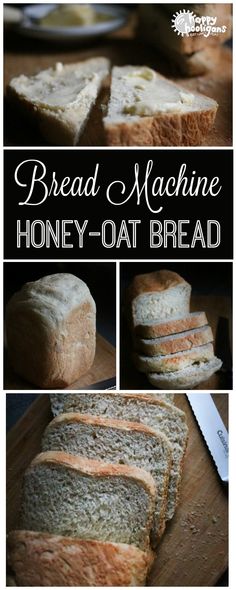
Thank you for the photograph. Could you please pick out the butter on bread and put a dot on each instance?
(61, 97)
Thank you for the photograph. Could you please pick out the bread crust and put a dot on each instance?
(39, 559)
(168, 327)
(174, 362)
(185, 129)
(169, 344)
(154, 282)
(94, 468)
(51, 330)
(131, 427)
(63, 127)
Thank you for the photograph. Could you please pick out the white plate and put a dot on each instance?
(29, 27)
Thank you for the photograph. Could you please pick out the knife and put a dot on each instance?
(212, 429)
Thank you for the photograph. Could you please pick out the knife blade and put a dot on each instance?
(212, 429)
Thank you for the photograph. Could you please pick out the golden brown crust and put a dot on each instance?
(154, 282)
(166, 328)
(39, 559)
(179, 343)
(186, 129)
(95, 468)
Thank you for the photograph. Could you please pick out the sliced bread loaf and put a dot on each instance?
(116, 441)
(60, 402)
(158, 415)
(187, 378)
(88, 499)
(175, 342)
(39, 559)
(147, 109)
(174, 362)
(157, 295)
(61, 97)
(154, 328)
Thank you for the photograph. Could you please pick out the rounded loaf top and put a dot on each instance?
(156, 281)
(61, 291)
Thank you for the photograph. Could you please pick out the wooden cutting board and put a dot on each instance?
(104, 367)
(23, 56)
(193, 551)
(219, 314)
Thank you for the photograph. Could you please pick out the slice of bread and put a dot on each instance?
(187, 378)
(154, 413)
(39, 559)
(175, 342)
(88, 499)
(158, 295)
(174, 362)
(155, 328)
(119, 442)
(146, 109)
(61, 97)
(61, 401)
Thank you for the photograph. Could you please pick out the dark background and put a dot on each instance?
(116, 164)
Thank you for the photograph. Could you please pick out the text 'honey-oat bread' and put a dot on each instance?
(39, 559)
(175, 342)
(157, 295)
(51, 330)
(61, 401)
(146, 109)
(60, 98)
(119, 442)
(87, 499)
(154, 328)
(158, 415)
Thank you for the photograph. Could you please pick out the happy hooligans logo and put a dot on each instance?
(186, 23)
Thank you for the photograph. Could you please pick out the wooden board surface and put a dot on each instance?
(219, 312)
(23, 56)
(104, 367)
(193, 551)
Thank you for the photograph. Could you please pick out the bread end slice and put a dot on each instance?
(188, 378)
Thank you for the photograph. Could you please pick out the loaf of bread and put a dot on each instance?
(154, 413)
(60, 98)
(116, 441)
(51, 330)
(39, 559)
(88, 499)
(146, 109)
(193, 54)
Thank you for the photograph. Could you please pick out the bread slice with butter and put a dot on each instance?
(61, 97)
(147, 109)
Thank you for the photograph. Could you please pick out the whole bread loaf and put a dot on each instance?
(39, 559)
(51, 330)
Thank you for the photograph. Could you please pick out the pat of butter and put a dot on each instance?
(149, 106)
(143, 73)
(55, 89)
(186, 98)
